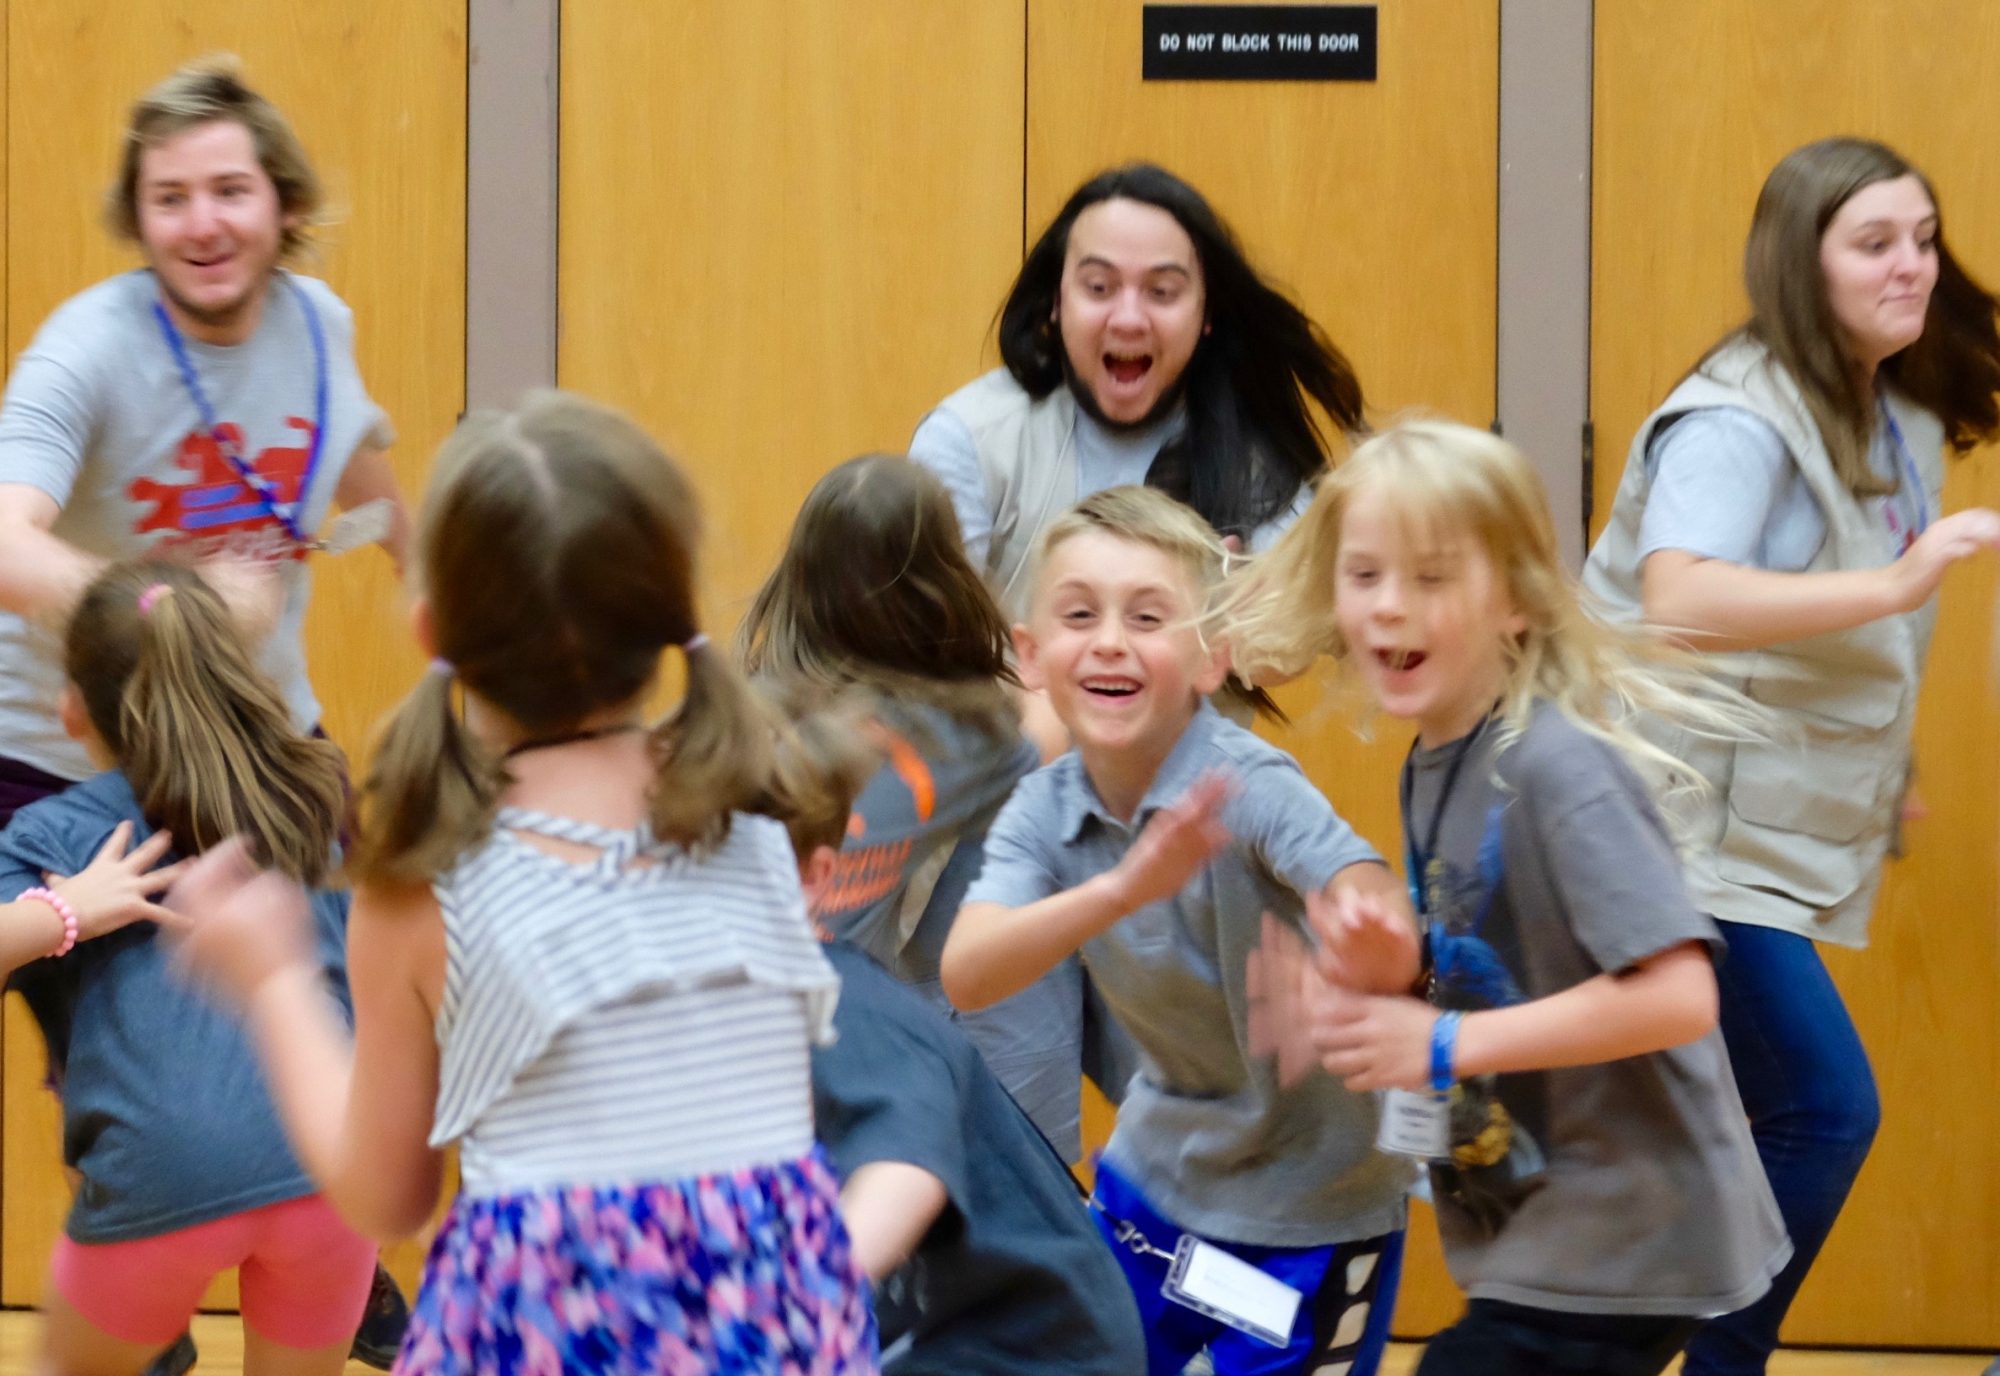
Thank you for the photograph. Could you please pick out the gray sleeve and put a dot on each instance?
(1018, 866)
(1610, 859)
(377, 431)
(1266, 535)
(48, 415)
(1292, 829)
(1719, 477)
(944, 445)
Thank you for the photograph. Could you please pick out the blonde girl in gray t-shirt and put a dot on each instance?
(1550, 1044)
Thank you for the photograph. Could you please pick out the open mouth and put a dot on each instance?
(1111, 686)
(1400, 661)
(1127, 369)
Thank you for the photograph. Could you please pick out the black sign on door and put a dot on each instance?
(1259, 43)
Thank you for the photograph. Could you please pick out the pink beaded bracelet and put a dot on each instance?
(63, 911)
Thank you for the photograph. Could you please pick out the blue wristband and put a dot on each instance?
(1444, 1044)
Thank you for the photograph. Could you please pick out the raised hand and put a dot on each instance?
(1372, 1041)
(1280, 979)
(116, 888)
(241, 924)
(1367, 942)
(1176, 842)
(1946, 541)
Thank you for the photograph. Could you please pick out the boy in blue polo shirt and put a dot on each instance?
(1154, 847)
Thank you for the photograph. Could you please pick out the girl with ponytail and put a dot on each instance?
(581, 949)
(183, 1167)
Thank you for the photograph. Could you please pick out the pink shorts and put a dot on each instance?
(302, 1273)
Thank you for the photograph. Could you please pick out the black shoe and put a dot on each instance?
(176, 1360)
(382, 1323)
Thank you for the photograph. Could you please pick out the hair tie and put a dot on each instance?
(152, 594)
(442, 666)
(694, 642)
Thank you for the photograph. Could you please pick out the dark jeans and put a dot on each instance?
(1806, 1085)
(1499, 1339)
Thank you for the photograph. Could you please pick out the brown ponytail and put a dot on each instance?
(203, 736)
(556, 551)
(430, 785)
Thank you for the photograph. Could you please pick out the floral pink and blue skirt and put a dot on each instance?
(748, 1272)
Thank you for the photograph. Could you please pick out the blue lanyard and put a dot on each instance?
(1418, 862)
(286, 514)
(1911, 478)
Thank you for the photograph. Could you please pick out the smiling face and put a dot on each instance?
(1880, 260)
(1109, 638)
(1426, 617)
(211, 228)
(1132, 307)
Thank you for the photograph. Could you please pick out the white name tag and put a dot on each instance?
(1210, 1281)
(1414, 1124)
(364, 525)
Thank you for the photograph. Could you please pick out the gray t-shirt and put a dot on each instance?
(1104, 458)
(1723, 486)
(1205, 1131)
(1634, 1186)
(913, 846)
(97, 415)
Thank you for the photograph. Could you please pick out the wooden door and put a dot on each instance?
(1375, 204)
(376, 89)
(1695, 101)
(785, 225)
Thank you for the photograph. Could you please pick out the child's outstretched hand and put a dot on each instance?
(116, 888)
(1280, 979)
(1176, 842)
(1372, 1041)
(242, 925)
(1367, 943)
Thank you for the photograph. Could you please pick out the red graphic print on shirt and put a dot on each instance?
(214, 512)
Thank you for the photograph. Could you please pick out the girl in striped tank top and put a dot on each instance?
(578, 950)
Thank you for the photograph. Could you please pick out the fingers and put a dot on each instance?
(148, 851)
(213, 876)
(164, 878)
(114, 844)
(172, 923)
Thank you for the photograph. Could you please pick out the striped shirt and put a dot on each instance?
(644, 1016)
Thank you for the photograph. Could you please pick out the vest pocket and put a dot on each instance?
(1797, 817)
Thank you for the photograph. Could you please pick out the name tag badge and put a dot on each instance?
(1415, 1124)
(1210, 1281)
(364, 525)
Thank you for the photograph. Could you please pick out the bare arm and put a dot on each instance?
(369, 477)
(41, 576)
(1715, 605)
(1667, 1001)
(888, 1206)
(1384, 1042)
(357, 1113)
(113, 890)
(995, 951)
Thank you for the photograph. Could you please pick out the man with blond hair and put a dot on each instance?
(206, 404)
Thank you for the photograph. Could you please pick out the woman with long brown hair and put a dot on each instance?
(874, 593)
(1781, 511)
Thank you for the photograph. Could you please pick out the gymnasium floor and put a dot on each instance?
(221, 1343)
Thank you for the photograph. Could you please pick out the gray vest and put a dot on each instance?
(1027, 454)
(1793, 830)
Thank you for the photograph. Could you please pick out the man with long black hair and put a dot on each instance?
(1140, 346)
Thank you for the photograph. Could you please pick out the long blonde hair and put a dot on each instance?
(556, 549)
(203, 737)
(1277, 611)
